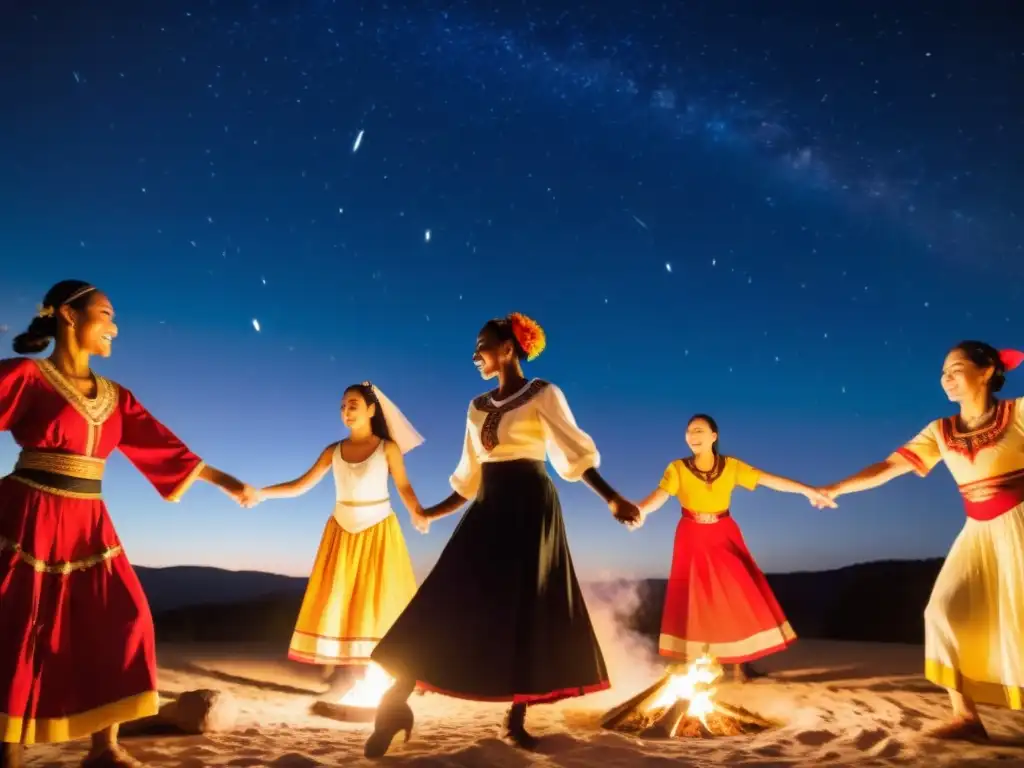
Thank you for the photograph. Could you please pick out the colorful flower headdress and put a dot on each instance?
(529, 334)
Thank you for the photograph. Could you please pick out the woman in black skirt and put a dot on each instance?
(501, 617)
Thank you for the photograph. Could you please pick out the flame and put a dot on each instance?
(695, 686)
(369, 689)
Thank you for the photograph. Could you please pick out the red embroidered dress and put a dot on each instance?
(76, 635)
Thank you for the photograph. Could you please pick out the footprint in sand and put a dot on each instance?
(816, 738)
(293, 760)
(867, 739)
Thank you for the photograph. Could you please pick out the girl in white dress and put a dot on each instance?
(974, 620)
(501, 616)
(362, 577)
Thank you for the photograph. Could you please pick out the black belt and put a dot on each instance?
(54, 481)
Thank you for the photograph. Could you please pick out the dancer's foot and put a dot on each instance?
(961, 728)
(11, 755)
(114, 756)
(392, 719)
(514, 728)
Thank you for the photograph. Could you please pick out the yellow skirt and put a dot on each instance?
(974, 622)
(360, 583)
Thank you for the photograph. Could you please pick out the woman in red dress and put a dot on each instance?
(77, 650)
(718, 601)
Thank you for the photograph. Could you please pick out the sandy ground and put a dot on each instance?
(839, 704)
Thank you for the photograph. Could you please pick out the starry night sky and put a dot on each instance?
(782, 219)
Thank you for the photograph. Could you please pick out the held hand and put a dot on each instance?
(821, 498)
(248, 497)
(625, 511)
(420, 521)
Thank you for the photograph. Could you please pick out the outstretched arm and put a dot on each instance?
(653, 502)
(878, 474)
(230, 484)
(449, 506)
(302, 484)
(785, 485)
(622, 510)
(396, 465)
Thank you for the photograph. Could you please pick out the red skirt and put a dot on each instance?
(77, 650)
(718, 601)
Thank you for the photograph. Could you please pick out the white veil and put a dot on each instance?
(403, 434)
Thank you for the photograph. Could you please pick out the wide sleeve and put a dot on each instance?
(14, 386)
(923, 450)
(670, 480)
(746, 476)
(465, 481)
(571, 450)
(156, 451)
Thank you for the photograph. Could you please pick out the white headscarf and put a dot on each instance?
(403, 434)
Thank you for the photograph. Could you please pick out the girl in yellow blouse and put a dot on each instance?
(718, 601)
(974, 621)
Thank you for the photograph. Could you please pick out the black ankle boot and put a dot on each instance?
(514, 728)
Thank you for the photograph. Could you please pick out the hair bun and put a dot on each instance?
(36, 338)
(529, 334)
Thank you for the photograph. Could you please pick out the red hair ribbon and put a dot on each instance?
(1011, 358)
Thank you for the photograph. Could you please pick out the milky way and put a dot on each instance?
(783, 218)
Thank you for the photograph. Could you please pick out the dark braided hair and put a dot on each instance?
(76, 294)
(378, 424)
(985, 356)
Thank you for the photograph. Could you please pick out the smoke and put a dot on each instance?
(631, 658)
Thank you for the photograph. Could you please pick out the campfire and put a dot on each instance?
(683, 705)
(359, 704)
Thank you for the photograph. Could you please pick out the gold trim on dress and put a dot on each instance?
(54, 730)
(765, 640)
(95, 410)
(59, 569)
(185, 484)
(72, 465)
(980, 691)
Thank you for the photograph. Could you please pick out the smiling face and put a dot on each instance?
(700, 436)
(93, 327)
(490, 353)
(355, 413)
(962, 379)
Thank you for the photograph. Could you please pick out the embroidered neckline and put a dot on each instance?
(503, 401)
(711, 475)
(95, 410)
(970, 443)
(495, 409)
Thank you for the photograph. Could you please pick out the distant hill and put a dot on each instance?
(880, 601)
(187, 585)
